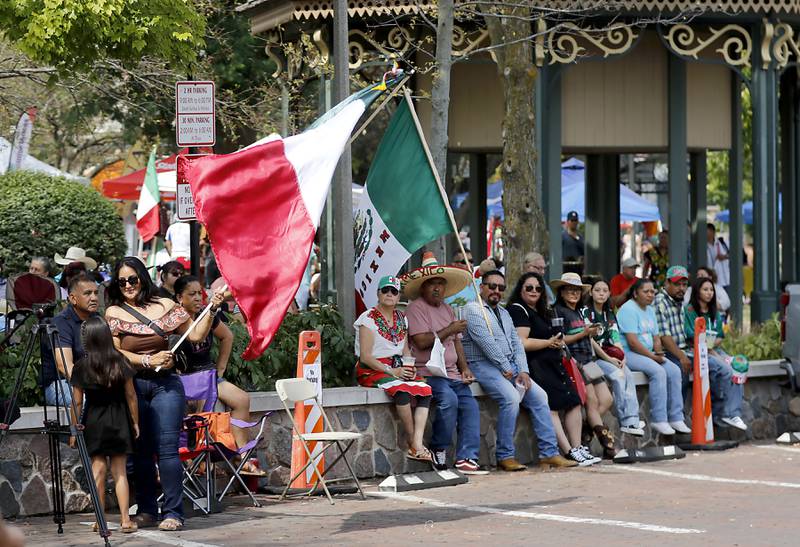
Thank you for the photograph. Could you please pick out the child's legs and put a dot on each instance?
(99, 472)
(239, 401)
(120, 476)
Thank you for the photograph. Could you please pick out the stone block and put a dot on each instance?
(383, 467)
(280, 445)
(385, 428)
(364, 466)
(777, 406)
(362, 419)
(9, 507)
(12, 471)
(365, 443)
(279, 476)
(78, 502)
(35, 497)
(794, 406)
(397, 460)
(81, 478)
(14, 447)
(774, 390)
(345, 418)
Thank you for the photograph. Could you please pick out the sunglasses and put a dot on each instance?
(495, 287)
(531, 288)
(132, 280)
(176, 273)
(387, 290)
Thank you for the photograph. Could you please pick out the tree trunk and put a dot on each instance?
(440, 100)
(524, 226)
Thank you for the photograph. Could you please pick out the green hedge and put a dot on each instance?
(10, 359)
(42, 215)
(763, 342)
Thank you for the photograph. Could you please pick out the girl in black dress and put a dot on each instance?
(110, 418)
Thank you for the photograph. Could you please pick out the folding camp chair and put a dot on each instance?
(203, 386)
(296, 390)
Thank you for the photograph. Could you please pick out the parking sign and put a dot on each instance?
(195, 112)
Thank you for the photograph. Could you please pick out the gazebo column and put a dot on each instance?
(602, 215)
(476, 217)
(699, 219)
(790, 247)
(549, 88)
(765, 184)
(678, 175)
(735, 191)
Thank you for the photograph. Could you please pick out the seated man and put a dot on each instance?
(621, 282)
(83, 303)
(497, 359)
(428, 318)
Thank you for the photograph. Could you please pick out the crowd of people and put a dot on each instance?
(524, 352)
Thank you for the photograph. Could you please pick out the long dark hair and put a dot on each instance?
(148, 292)
(105, 365)
(638, 285)
(694, 299)
(516, 295)
(589, 301)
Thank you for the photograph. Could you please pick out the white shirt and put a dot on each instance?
(179, 235)
(723, 266)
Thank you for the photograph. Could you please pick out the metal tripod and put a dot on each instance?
(45, 332)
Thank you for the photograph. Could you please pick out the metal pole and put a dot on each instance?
(678, 175)
(735, 183)
(699, 217)
(342, 181)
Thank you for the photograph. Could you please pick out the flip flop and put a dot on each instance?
(128, 528)
(170, 524)
(423, 455)
(252, 470)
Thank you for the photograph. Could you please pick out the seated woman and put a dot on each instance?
(189, 294)
(607, 346)
(141, 322)
(532, 319)
(381, 345)
(570, 291)
(643, 353)
(723, 300)
(726, 397)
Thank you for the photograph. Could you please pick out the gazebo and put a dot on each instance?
(624, 77)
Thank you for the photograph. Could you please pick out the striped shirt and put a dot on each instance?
(501, 347)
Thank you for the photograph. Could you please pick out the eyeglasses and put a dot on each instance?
(132, 280)
(531, 288)
(387, 290)
(572, 289)
(495, 287)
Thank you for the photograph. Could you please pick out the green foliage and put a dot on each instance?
(718, 161)
(762, 343)
(70, 34)
(280, 358)
(10, 360)
(43, 215)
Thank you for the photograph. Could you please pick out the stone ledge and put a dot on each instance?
(267, 401)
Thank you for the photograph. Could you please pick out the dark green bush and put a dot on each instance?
(44, 215)
(10, 360)
(763, 342)
(280, 359)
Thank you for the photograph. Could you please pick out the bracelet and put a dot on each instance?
(213, 311)
(146, 361)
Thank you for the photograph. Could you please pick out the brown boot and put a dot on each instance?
(510, 464)
(606, 439)
(556, 461)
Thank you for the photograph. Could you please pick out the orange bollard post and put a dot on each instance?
(702, 424)
(306, 417)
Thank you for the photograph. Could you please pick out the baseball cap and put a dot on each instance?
(630, 263)
(572, 215)
(389, 281)
(676, 273)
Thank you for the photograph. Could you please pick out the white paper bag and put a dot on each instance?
(436, 364)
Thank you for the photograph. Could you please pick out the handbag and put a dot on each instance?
(614, 352)
(571, 366)
(435, 364)
(592, 373)
(181, 361)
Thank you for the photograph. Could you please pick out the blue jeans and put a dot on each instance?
(455, 405)
(50, 393)
(726, 397)
(162, 406)
(666, 395)
(624, 389)
(503, 391)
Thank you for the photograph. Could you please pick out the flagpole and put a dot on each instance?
(381, 106)
(442, 193)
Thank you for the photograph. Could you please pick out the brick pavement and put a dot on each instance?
(747, 496)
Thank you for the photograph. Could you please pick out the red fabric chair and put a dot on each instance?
(26, 289)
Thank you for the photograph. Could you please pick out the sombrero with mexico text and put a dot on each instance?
(456, 278)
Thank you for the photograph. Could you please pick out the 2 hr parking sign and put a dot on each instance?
(195, 113)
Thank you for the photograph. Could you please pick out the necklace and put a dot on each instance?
(395, 332)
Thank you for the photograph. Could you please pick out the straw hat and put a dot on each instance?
(569, 279)
(457, 278)
(75, 254)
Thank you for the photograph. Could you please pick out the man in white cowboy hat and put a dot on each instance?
(497, 359)
(430, 318)
(75, 254)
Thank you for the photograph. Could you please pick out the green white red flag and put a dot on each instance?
(147, 217)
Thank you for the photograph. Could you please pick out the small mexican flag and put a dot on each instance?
(401, 208)
(147, 218)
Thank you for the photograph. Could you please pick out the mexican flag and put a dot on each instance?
(401, 208)
(147, 221)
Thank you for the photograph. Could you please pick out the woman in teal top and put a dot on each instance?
(726, 396)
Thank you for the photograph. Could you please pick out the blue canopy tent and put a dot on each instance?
(747, 213)
(633, 207)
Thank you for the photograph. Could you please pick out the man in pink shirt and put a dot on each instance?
(428, 318)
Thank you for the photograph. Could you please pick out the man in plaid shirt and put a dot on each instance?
(497, 359)
(669, 312)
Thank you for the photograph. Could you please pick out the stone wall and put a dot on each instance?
(25, 488)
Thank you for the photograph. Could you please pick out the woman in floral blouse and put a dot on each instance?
(381, 345)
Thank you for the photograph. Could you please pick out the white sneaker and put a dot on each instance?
(589, 456)
(680, 427)
(632, 430)
(641, 424)
(736, 422)
(663, 428)
(577, 455)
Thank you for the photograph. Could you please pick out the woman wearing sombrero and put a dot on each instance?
(385, 361)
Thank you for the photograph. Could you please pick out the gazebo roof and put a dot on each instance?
(269, 14)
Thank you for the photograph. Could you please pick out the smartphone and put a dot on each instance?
(560, 335)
